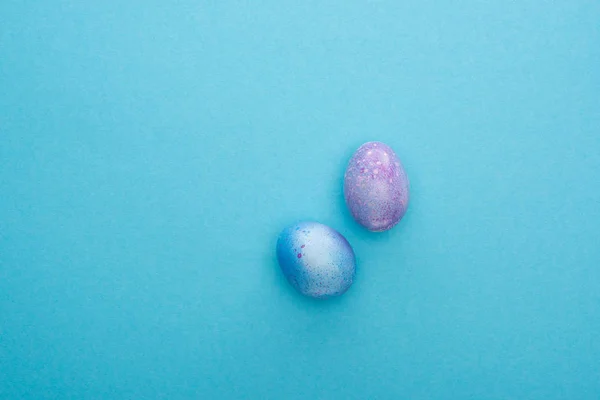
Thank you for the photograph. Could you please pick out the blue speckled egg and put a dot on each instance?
(376, 187)
(316, 259)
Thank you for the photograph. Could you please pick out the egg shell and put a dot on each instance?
(376, 187)
(316, 259)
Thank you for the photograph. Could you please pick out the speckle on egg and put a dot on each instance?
(316, 259)
(381, 201)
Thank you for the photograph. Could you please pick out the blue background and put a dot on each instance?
(151, 153)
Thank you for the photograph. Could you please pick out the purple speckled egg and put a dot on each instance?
(376, 187)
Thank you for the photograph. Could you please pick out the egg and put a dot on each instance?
(316, 259)
(376, 188)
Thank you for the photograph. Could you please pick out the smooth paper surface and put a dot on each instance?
(151, 152)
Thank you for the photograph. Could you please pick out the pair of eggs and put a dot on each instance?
(316, 259)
